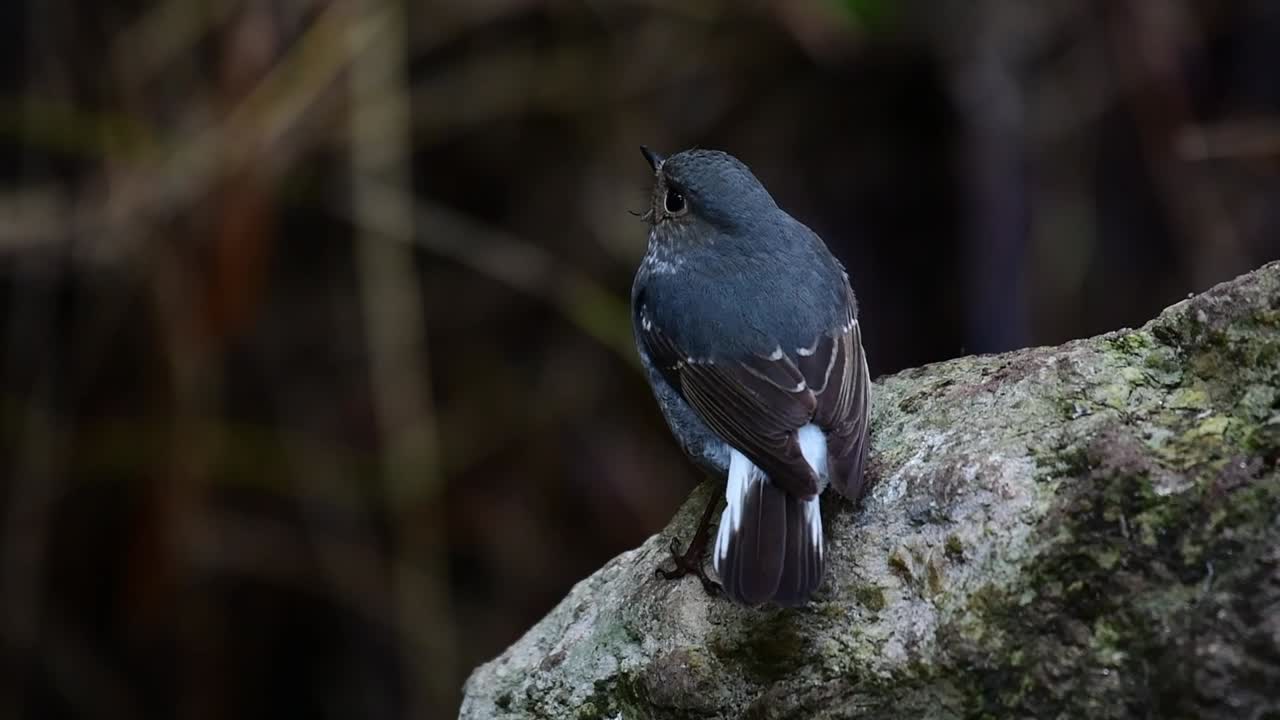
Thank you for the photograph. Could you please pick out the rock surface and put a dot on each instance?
(1090, 530)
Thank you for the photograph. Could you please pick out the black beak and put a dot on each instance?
(654, 158)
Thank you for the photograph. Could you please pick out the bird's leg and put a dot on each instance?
(690, 561)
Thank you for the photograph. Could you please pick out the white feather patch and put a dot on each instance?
(808, 351)
(813, 520)
(741, 474)
(813, 445)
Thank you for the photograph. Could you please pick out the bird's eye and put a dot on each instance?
(674, 202)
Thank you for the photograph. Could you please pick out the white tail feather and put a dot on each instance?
(813, 519)
(742, 474)
(813, 446)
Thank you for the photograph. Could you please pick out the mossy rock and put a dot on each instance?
(1091, 530)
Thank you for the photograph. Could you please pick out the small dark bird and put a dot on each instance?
(748, 332)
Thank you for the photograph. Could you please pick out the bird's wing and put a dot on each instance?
(836, 368)
(758, 402)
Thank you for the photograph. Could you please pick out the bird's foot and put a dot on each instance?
(689, 563)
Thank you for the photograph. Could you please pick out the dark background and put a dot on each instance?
(317, 385)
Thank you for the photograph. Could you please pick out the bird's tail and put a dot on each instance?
(769, 544)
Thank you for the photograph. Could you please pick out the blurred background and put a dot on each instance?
(317, 385)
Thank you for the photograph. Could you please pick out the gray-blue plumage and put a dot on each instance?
(746, 326)
(741, 247)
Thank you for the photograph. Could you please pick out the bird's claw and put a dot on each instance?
(688, 563)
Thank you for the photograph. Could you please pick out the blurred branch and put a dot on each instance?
(42, 122)
(263, 121)
(579, 78)
(233, 544)
(516, 263)
(164, 34)
(392, 301)
(161, 185)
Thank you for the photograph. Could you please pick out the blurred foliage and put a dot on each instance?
(318, 385)
(874, 15)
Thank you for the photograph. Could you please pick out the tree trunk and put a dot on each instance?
(1090, 530)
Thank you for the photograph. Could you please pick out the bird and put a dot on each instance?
(747, 330)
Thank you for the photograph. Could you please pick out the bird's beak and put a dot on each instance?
(654, 158)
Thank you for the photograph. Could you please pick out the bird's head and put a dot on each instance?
(707, 190)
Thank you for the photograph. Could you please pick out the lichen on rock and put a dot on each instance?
(1089, 530)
